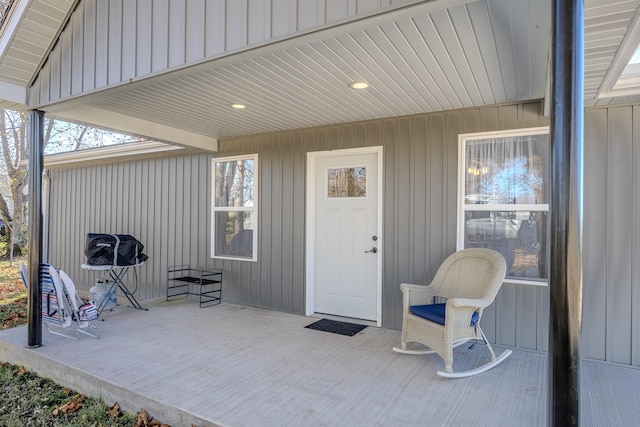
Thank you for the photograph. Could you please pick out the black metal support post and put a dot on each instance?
(567, 116)
(36, 138)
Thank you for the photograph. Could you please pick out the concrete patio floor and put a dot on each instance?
(230, 365)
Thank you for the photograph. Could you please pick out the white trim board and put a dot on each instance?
(113, 152)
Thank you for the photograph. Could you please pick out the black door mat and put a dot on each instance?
(342, 328)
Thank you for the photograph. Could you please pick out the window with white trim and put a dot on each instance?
(503, 199)
(234, 213)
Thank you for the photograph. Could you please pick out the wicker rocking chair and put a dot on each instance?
(468, 280)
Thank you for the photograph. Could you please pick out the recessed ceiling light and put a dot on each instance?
(238, 106)
(359, 85)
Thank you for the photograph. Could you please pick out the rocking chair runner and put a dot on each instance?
(469, 281)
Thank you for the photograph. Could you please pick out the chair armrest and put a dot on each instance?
(416, 294)
(476, 303)
(459, 310)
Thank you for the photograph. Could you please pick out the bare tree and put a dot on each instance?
(58, 137)
(13, 138)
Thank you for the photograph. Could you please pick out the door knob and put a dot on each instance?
(372, 250)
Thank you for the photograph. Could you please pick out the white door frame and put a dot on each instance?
(311, 224)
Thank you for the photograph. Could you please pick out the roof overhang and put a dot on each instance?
(27, 35)
(431, 56)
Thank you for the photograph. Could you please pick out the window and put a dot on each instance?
(503, 201)
(346, 182)
(235, 208)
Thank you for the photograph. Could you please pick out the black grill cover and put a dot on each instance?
(113, 249)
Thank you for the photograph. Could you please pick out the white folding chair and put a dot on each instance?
(63, 311)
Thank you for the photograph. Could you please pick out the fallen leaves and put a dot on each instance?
(13, 310)
(12, 287)
(13, 296)
(28, 399)
(144, 420)
(71, 406)
(114, 411)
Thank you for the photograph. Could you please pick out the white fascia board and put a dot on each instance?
(120, 122)
(112, 152)
(13, 93)
(17, 11)
(610, 88)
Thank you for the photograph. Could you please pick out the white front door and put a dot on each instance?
(344, 254)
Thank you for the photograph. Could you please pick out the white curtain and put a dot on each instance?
(506, 170)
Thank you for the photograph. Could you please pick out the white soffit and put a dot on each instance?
(27, 36)
(609, 25)
(434, 56)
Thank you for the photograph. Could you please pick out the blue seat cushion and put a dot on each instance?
(436, 313)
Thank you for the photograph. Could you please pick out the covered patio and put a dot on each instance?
(243, 366)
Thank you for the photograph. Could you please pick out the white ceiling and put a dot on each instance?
(419, 59)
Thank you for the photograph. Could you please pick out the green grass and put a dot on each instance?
(27, 399)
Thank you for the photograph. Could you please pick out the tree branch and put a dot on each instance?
(4, 139)
(80, 137)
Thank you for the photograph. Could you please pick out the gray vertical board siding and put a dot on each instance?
(419, 219)
(115, 43)
(134, 179)
(635, 265)
(101, 44)
(610, 282)
(159, 35)
(77, 50)
(162, 234)
(259, 20)
(402, 235)
(595, 233)
(87, 73)
(298, 224)
(172, 197)
(266, 218)
(129, 38)
(274, 230)
(619, 238)
(65, 64)
(166, 203)
(54, 73)
(142, 43)
(283, 239)
(419, 227)
(177, 30)
(156, 200)
(106, 43)
(195, 25)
